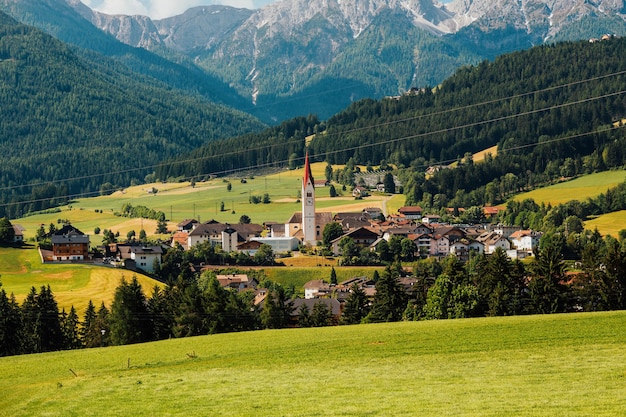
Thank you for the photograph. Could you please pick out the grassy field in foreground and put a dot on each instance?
(558, 365)
(76, 284)
(578, 189)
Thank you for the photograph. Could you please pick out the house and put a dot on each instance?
(316, 289)
(18, 236)
(187, 225)
(463, 248)
(423, 242)
(431, 218)
(181, 238)
(321, 183)
(249, 248)
(69, 244)
(239, 282)
(493, 240)
(373, 212)
(362, 236)
(351, 221)
(525, 239)
(443, 238)
(225, 235)
(139, 256)
(359, 191)
(505, 231)
(411, 212)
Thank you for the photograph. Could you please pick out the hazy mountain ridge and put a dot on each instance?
(292, 46)
(295, 57)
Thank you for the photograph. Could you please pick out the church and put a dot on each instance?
(308, 225)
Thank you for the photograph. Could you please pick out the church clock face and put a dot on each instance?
(309, 201)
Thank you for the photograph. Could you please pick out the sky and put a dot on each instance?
(159, 9)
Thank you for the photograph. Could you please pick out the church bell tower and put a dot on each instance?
(308, 205)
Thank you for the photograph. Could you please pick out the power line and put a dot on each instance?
(389, 141)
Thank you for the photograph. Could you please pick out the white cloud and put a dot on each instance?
(159, 9)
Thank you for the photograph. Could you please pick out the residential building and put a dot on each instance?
(69, 244)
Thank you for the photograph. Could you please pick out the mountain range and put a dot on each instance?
(296, 57)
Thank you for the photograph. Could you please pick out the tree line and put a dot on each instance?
(192, 305)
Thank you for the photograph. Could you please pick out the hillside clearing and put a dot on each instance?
(548, 365)
(577, 189)
(73, 284)
(203, 201)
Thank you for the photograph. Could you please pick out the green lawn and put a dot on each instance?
(578, 189)
(553, 365)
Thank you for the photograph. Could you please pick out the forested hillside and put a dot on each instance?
(69, 125)
(551, 110)
(68, 24)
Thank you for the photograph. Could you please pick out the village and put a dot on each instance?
(303, 232)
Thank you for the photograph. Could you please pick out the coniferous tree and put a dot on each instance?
(547, 273)
(390, 299)
(304, 316)
(130, 322)
(356, 306)
(7, 232)
(321, 315)
(276, 312)
(333, 276)
(103, 324)
(160, 316)
(89, 334)
(10, 325)
(70, 325)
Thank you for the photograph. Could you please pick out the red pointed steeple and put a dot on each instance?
(307, 170)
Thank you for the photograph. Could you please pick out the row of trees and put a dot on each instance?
(190, 306)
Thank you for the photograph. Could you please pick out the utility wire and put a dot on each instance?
(389, 141)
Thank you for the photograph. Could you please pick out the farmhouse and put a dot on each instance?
(69, 244)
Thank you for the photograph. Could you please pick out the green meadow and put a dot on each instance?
(579, 189)
(552, 365)
(76, 284)
(203, 201)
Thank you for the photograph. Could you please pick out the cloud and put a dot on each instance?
(159, 9)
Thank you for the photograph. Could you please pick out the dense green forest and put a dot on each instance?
(62, 21)
(70, 126)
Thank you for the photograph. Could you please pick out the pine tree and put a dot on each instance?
(321, 315)
(547, 271)
(10, 325)
(130, 322)
(304, 316)
(50, 333)
(390, 299)
(70, 328)
(89, 334)
(333, 276)
(356, 306)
